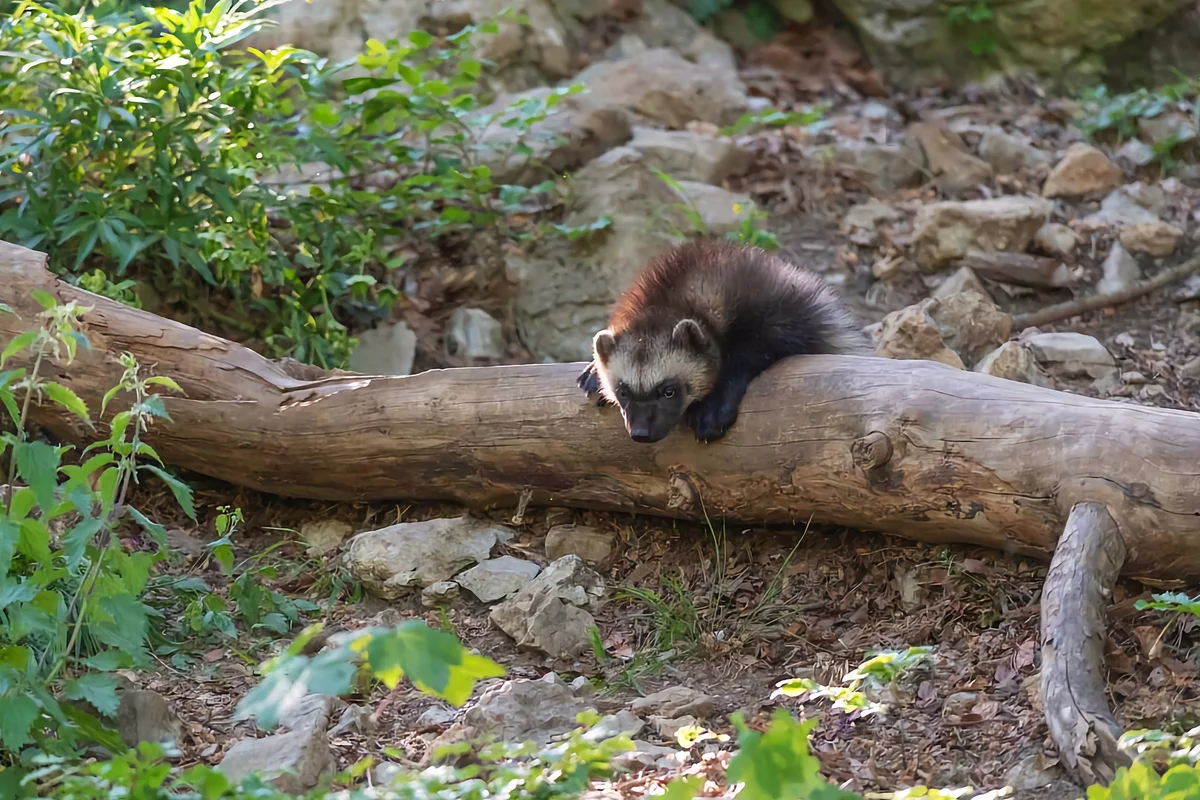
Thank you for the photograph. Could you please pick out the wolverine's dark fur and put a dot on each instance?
(698, 325)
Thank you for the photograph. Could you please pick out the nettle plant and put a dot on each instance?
(138, 143)
(71, 609)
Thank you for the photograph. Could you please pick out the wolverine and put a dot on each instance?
(698, 324)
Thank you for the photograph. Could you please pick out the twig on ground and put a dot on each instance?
(1074, 308)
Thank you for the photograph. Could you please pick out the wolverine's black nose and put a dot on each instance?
(641, 435)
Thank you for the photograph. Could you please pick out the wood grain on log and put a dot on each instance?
(913, 448)
(1075, 602)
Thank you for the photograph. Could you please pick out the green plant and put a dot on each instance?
(777, 765)
(71, 608)
(977, 23)
(1141, 781)
(885, 668)
(140, 146)
(1103, 112)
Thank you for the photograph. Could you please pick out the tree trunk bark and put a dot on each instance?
(913, 448)
(1075, 602)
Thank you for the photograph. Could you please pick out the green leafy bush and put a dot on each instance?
(71, 607)
(139, 143)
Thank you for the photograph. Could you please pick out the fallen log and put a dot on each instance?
(914, 448)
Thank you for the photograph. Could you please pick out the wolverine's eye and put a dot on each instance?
(622, 391)
(667, 392)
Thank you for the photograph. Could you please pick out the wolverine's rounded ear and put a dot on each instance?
(605, 344)
(689, 334)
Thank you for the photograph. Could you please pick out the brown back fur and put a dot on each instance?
(733, 291)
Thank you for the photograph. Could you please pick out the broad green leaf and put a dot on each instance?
(18, 712)
(329, 672)
(160, 380)
(420, 38)
(68, 400)
(18, 343)
(37, 463)
(107, 660)
(35, 541)
(157, 532)
(95, 688)
(433, 660)
(43, 298)
(182, 492)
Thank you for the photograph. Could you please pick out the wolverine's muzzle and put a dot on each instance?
(648, 421)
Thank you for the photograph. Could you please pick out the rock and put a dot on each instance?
(917, 44)
(386, 350)
(1153, 238)
(310, 710)
(293, 762)
(591, 544)
(435, 715)
(565, 289)
(675, 701)
(1129, 204)
(721, 211)
(354, 719)
(385, 772)
(1191, 370)
(945, 231)
(910, 333)
(1028, 774)
(524, 710)
(1014, 362)
(663, 86)
(497, 577)
(623, 722)
(646, 756)
(1055, 239)
(551, 613)
(688, 156)
(668, 727)
(1083, 170)
(963, 279)
(1121, 271)
(1136, 153)
(1007, 153)
(440, 593)
(947, 158)
(1072, 354)
(882, 168)
(325, 535)
(710, 51)
(583, 687)
(969, 323)
(578, 129)
(1134, 377)
(143, 715)
(869, 216)
(959, 703)
(412, 555)
(1168, 128)
(474, 333)
(661, 23)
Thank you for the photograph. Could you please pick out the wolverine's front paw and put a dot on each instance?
(711, 418)
(589, 381)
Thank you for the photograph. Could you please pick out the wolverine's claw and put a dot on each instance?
(711, 418)
(588, 380)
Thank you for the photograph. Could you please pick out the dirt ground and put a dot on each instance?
(742, 609)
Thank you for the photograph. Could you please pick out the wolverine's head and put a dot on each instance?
(654, 375)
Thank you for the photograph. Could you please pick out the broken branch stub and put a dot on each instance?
(913, 448)
(1075, 600)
